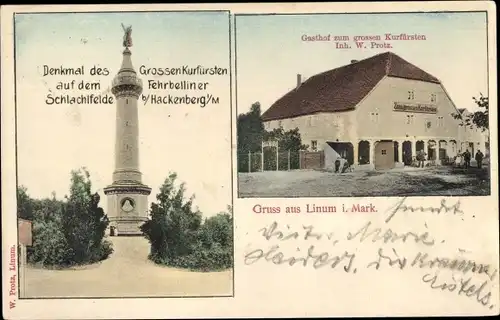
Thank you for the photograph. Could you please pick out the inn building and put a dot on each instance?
(377, 113)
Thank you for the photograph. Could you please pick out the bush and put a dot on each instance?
(50, 247)
(101, 252)
(178, 237)
(70, 232)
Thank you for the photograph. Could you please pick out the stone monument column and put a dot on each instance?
(127, 195)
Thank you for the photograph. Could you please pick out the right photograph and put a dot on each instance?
(362, 105)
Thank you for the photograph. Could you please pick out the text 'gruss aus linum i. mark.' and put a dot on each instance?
(314, 208)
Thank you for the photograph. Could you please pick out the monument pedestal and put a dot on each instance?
(127, 207)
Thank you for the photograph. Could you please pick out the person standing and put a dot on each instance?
(467, 157)
(337, 165)
(421, 158)
(479, 159)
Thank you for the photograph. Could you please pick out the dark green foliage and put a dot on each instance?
(179, 238)
(251, 133)
(480, 118)
(288, 140)
(250, 130)
(69, 232)
(84, 222)
(24, 204)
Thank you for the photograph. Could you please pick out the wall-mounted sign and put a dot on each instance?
(271, 143)
(25, 233)
(414, 107)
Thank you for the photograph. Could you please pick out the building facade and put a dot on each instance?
(378, 113)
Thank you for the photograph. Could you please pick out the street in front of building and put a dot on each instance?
(407, 181)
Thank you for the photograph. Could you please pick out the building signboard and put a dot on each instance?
(271, 143)
(415, 107)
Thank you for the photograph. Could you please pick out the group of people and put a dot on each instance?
(342, 165)
(466, 157)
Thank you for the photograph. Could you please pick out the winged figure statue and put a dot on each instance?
(127, 37)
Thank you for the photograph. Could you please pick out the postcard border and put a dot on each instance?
(348, 13)
(232, 295)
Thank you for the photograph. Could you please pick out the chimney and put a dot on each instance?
(299, 80)
(354, 61)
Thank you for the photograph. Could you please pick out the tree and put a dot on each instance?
(67, 232)
(180, 238)
(84, 222)
(478, 119)
(250, 129)
(24, 204)
(173, 224)
(288, 140)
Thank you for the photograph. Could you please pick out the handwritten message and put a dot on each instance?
(385, 246)
(376, 41)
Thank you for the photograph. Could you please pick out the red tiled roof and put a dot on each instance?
(343, 88)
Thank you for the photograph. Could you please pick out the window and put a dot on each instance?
(374, 117)
(314, 145)
(440, 122)
(409, 119)
(433, 97)
(126, 123)
(411, 95)
(311, 121)
(267, 125)
(428, 125)
(280, 123)
(384, 151)
(126, 101)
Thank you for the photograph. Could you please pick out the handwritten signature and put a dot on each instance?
(462, 287)
(317, 260)
(400, 206)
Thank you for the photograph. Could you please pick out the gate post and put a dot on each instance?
(249, 161)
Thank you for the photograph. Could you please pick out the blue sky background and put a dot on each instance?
(54, 139)
(270, 52)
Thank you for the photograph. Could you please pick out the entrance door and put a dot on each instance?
(471, 148)
(384, 155)
(407, 156)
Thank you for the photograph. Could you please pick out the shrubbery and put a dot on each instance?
(179, 237)
(68, 232)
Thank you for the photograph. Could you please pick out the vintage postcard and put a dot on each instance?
(249, 160)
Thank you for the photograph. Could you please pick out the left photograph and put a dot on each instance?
(113, 144)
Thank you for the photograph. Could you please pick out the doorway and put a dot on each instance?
(384, 155)
(407, 153)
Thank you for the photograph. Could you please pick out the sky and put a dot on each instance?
(270, 52)
(54, 139)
